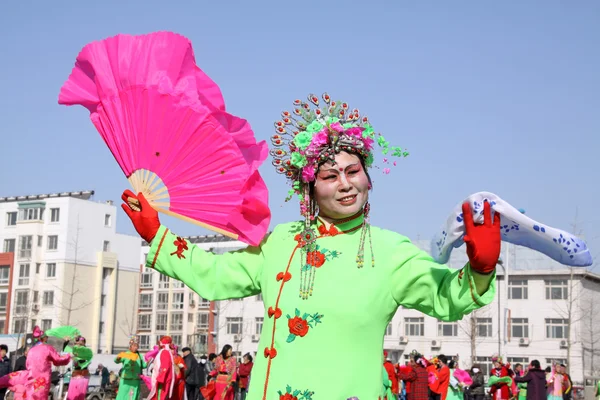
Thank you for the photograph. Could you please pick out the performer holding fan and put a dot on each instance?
(331, 283)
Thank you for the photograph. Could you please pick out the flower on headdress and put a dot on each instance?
(354, 131)
(369, 159)
(298, 160)
(368, 131)
(314, 126)
(308, 173)
(320, 139)
(336, 126)
(302, 140)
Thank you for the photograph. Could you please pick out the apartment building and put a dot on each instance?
(167, 307)
(62, 263)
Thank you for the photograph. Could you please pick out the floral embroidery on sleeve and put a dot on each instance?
(299, 325)
(295, 394)
(181, 246)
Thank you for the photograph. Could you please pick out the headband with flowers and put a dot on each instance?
(312, 135)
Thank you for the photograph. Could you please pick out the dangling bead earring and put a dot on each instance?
(365, 230)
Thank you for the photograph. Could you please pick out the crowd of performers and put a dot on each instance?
(439, 378)
(171, 375)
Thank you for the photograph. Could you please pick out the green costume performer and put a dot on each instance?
(133, 364)
(331, 283)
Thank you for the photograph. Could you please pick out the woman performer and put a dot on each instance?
(133, 364)
(332, 282)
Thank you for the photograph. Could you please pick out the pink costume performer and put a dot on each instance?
(16, 382)
(163, 376)
(40, 359)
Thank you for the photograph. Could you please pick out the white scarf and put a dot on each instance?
(516, 228)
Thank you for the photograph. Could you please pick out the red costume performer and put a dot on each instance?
(389, 367)
(499, 391)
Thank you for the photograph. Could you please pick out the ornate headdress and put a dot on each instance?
(134, 339)
(497, 358)
(166, 341)
(38, 334)
(312, 134)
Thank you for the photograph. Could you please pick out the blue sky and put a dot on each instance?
(494, 96)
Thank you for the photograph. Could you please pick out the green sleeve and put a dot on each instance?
(118, 360)
(144, 365)
(214, 277)
(420, 283)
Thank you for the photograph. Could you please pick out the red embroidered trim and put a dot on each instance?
(162, 239)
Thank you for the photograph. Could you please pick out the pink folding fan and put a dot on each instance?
(164, 121)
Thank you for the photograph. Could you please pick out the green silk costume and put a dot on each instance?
(129, 384)
(309, 349)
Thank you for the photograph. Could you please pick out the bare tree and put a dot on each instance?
(68, 294)
(473, 328)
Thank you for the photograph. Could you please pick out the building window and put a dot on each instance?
(11, 218)
(190, 318)
(3, 301)
(447, 328)
(146, 279)
(556, 289)
(177, 301)
(161, 321)
(9, 246)
(203, 303)
(388, 330)
(234, 325)
(202, 321)
(176, 321)
(484, 327)
(414, 326)
(162, 301)
(36, 297)
(40, 240)
(54, 214)
(106, 246)
(20, 325)
(557, 328)
(145, 301)
(48, 298)
(163, 281)
(24, 274)
(550, 361)
(107, 220)
(145, 321)
(2, 325)
(518, 360)
(177, 340)
(519, 327)
(485, 363)
(144, 342)
(52, 242)
(177, 284)
(25, 246)
(259, 325)
(46, 324)
(51, 270)
(4, 274)
(31, 214)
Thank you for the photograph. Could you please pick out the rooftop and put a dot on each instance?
(82, 194)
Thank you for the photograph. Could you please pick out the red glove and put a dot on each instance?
(483, 240)
(144, 217)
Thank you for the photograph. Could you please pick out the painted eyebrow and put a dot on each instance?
(335, 170)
